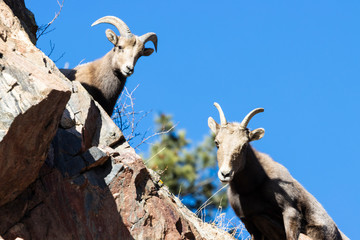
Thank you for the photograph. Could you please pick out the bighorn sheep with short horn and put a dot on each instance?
(105, 78)
(263, 194)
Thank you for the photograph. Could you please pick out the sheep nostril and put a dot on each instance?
(225, 175)
(130, 68)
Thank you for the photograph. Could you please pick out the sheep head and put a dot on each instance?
(128, 48)
(232, 139)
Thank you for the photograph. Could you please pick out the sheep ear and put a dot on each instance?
(113, 38)
(214, 126)
(148, 51)
(256, 134)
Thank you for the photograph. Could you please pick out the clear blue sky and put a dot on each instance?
(300, 60)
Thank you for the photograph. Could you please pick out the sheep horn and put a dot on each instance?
(222, 116)
(117, 22)
(149, 37)
(248, 117)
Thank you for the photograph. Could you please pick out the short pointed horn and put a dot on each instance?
(222, 116)
(248, 117)
(149, 37)
(117, 22)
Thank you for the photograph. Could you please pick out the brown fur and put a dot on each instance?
(105, 78)
(263, 194)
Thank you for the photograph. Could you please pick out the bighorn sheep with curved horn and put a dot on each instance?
(263, 194)
(105, 78)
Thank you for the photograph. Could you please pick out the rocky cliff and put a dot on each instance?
(66, 171)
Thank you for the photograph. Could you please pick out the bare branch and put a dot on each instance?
(206, 202)
(154, 135)
(128, 119)
(155, 155)
(61, 56)
(44, 29)
(52, 47)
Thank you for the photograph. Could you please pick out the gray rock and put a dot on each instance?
(67, 119)
(85, 189)
(106, 132)
(31, 104)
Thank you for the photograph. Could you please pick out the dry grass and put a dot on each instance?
(232, 225)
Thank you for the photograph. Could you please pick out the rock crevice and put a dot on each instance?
(66, 171)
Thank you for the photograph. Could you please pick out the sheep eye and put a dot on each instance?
(217, 143)
(120, 47)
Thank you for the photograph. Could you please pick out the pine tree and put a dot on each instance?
(189, 172)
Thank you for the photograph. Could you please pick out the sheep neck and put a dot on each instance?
(108, 82)
(251, 176)
(108, 71)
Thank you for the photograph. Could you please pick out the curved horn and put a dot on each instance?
(117, 22)
(248, 117)
(222, 116)
(149, 37)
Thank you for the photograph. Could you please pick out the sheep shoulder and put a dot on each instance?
(282, 185)
(99, 79)
(288, 193)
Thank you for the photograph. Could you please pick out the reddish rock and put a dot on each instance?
(92, 184)
(31, 105)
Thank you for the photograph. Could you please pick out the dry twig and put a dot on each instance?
(128, 119)
(206, 203)
(43, 29)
